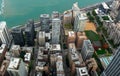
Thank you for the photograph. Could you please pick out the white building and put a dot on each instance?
(82, 71)
(59, 66)
(4, 33)
(56, 24)
(41, 38)
(27, 57)
(80, 22)
(75, 9)
(87, 50)
(17, 67)
(56, 48)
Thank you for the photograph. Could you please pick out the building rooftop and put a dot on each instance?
(2, 48)
(15, 47)
(72, 46)
(59, 65)
(28, 49)
(71, 33)
(27, 57)
(2, 25)
(56, 47)
(82, 16)
(14, 63)
(88, 46)
(47, 45)
(48, 35)
(82, 71)
(105, 61)
(105, 6)
(41, 34)
(44, 15)
(39, 74)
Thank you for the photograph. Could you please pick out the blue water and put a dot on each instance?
(17, 12)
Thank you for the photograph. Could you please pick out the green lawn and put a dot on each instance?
(68, 26)
(92, 35)
(101, 52)
(105, 18)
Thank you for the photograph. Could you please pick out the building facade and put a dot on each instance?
(18, 37)
(113, 69)
(4, 33)
(56, 24)
(44, 22)
(80, 22)
(29, 34)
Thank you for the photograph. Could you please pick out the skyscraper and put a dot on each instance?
(29, 34)
(4, 33)
(44, 21)
(80, 22)
(18, 37)
(87, 50)
(113, 69)
(56, 23)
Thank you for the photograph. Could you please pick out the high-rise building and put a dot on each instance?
(4, 33)
(17, 67)
(75, 9)
(45, 21)
(87, 50)
(18, 37)
(31, 24)
(56, 24)
(113, 69)
(29, 33)
(80, 22)
(41, 38)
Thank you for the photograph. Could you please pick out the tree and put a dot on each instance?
(22, 54)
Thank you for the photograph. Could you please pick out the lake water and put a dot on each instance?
(17, 12)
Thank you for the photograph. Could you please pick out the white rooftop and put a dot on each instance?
(44, 15)
(71, 33)
(41, 34)
(59, 64)
(27, 56)
(14, 63)
(48, 35)
(88, 45)
(56, 47)
(82, 71)
(15, 47)
(28, 49)
(105, 6)
(2, 48)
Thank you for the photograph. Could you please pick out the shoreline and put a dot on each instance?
(87, 8)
